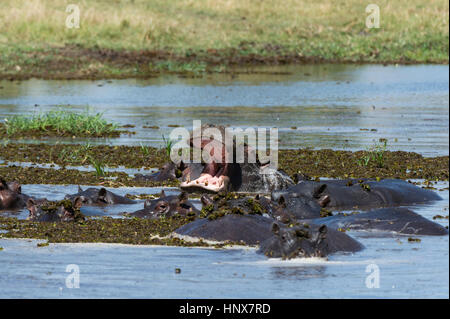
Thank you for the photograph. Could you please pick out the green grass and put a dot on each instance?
(60, 123)
(99, 166)
(374, 154)
(194, 35)
(145, 149)
(168, 144)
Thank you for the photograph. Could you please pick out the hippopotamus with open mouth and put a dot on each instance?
(99, 196)
(219, 174)
(359, 194)
(63, 211)
(11, 196)
(166, 206)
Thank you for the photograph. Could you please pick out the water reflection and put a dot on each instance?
(298, 273)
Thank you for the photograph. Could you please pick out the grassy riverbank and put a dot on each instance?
(137, 38)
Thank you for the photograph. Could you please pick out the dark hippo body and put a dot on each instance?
(99, 196)
(306, 241)
(64, 211)
(166, 206)
(360, 194)
(398, 220)
(284, 211)
(11, 196)
(297, 206)
(247, 229)
(232, 202)
(275, 241)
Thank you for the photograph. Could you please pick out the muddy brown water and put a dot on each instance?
(321, 106)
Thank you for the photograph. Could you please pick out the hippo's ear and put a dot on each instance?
(181, 166)
(323, 230)
(79, 189)
(319, 190)
(206, 200)
(78, 202)
(3, 184)
(102, 192)
(31, 204)
(275, 228)
(282, 201)
(15, 187)
(183, 197)
(163, 194)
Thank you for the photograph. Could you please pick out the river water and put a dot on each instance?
(331, 106)
(406, 270)
(320, 106)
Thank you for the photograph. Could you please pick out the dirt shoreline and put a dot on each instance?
(77, 63)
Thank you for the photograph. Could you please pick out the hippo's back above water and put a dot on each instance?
(349, 194)
(399, 220)
(249, 229)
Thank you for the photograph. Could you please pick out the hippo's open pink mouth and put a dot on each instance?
(213, 179)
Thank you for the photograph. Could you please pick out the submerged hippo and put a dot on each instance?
(11, 196)
(99, 196)
(260, 205)
(63, 211)
(274, 240)
(166, 206)
(359, 194)
(306, 241)
(219, 175)
(236, 204)
(245, 229)
(297, 206)
(398, 220)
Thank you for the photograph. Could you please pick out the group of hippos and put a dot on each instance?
(254, 204)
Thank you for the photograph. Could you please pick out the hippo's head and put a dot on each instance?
(99, 196)
(167, 206)
(294, 242)
(295, 206)
(15, 187)
(91, 196)
(67, 210)
(9, 194)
